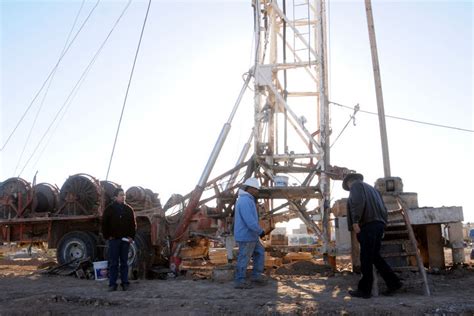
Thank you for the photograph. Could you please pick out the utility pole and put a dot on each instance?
(378, 89)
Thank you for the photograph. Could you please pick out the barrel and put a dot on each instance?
(80, 195)
(45, 198)
(14, 197)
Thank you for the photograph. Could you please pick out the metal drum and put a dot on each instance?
(45, 198)
(14, 197)
(80, 195)
(108, 188)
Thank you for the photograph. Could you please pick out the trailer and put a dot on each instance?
(69, 220)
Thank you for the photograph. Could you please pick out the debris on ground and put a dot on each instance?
(305, 267)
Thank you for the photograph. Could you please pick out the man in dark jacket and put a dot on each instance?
(367, 216)
(118, 228)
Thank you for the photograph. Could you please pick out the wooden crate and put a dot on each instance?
(218, 256)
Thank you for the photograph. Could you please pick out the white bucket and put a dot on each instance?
(280, 181)
(100, 270)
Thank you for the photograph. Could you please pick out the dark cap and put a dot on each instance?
(351, 176)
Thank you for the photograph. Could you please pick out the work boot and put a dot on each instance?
(112, 288)
(359, 294)
(125, 286)
(260, 281)
(392, 289)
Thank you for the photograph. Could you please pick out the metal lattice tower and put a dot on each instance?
(291, 128)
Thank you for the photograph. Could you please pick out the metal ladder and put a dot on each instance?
(302, 23)
(399, 246)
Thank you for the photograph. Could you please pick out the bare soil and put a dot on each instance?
(299, 288)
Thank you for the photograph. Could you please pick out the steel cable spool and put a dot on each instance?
(136, 197)
(152, 197)
(80, 195)
(14, 197)
(45, 198)
(108, 188)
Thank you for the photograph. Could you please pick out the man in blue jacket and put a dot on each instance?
(367, 217)
(247, 232)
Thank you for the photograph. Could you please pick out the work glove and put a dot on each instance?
(262, 234)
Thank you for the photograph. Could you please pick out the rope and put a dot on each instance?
(47, 89)
(128, 88)
(49, 76)
(75, 88)
(409, 120)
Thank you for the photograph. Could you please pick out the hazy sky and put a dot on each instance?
(189, 73)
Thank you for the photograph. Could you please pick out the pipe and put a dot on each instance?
(199, 189)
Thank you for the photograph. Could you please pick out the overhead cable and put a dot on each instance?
(47, 89)
(76, 86)
(407, 119)
(49, 76)
(128, 88)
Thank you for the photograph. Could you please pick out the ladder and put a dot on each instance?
(302, 29)
(399, 246)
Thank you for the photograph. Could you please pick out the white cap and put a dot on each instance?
(252, 182)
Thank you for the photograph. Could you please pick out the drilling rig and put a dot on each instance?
(290, 135)
(288, 150)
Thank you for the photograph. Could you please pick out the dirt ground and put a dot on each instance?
(300, 288)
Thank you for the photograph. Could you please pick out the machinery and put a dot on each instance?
(289, 139)
(288, 150)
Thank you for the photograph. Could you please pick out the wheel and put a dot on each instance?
(76, 246)
(139, 256)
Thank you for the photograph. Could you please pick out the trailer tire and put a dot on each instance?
(75, 246)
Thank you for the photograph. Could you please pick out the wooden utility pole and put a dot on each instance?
(378, 88)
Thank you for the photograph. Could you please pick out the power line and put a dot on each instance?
(47, 88)
(49, 76)
(407, 119)
(76, 86)
(128, 89)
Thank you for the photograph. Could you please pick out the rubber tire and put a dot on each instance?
(139, 256)
(76, 245)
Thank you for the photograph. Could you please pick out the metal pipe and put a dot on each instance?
(243, 154)
(378, 88)
(324, 129)
(285, 86)
(197, 192)
(222, 136)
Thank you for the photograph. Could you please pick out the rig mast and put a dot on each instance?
(291, 128)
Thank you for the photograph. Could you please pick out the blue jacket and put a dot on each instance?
(246, 226)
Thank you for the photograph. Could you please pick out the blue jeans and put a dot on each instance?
(249, 249)
(118, 252)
